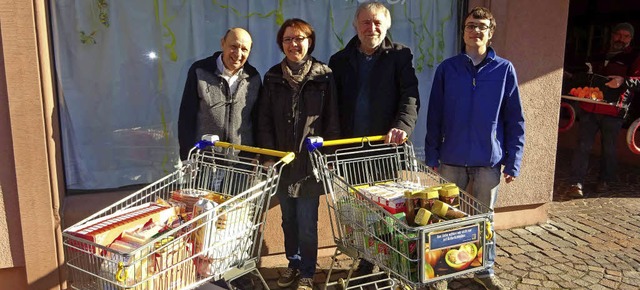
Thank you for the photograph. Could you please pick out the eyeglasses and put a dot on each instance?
(475, 27)
(297, 39)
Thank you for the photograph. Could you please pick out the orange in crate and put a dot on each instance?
(593, 93)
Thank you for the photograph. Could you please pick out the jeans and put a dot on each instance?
(609, 128)
(484, 187)
(300, 227)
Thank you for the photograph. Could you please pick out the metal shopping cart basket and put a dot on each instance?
(363, 177)
(204, 221)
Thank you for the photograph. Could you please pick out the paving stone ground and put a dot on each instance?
(589, 243)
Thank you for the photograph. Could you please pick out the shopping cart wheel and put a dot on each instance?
(631, 137)
(342, 284)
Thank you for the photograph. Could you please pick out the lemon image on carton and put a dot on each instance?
(460, 259)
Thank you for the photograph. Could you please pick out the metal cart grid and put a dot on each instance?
(169, 261)
(363, 229)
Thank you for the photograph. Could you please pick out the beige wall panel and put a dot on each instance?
(534, 41)
(520, 216)
(27, 121)
(13, 278)
(11, 254)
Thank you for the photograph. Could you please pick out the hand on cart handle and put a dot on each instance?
(268, 163)
(213, 140)
(395, 136)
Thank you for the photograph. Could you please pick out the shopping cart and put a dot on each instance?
(370, 229)
(219, 239)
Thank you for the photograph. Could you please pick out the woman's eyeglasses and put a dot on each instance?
(297, 39)
(475, 27)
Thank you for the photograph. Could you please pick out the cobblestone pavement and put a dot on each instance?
(588, 243)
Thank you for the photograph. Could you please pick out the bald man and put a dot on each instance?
(220, 94)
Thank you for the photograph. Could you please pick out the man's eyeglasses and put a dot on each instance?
(475, 27)
(297, 39)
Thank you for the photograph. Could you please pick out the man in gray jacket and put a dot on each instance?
(220, 94)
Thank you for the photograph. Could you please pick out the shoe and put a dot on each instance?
(490, 283)
(440, 285)
(602, 187)
(575, 190)
(288, 277)
(364, 268)
(305, 284)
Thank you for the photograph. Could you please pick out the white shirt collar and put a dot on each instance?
(232, 79)
(224, 69)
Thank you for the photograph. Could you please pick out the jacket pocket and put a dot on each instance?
(212, 95)
(313, 106)
(314, 103)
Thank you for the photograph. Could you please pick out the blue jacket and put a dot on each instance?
(475, 115)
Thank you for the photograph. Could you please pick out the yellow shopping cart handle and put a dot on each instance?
(316, 142)
(212, 140)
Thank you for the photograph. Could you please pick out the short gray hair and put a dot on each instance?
(375, 7)
(624, 26)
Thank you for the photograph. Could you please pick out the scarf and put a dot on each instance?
(294, 78)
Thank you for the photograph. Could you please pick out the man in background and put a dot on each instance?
(619, 60)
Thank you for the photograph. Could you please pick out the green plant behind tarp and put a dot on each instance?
(277, 12)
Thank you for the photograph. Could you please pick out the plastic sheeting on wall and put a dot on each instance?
(121, 68)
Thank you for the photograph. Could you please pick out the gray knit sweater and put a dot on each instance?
(207, 107)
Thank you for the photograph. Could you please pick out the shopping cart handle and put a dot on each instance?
(316, 142)
(213, 140)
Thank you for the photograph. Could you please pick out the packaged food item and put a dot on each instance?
(391, 223)
(445, 211)
(168, 265)
(217, 197)
(401, 216)
(142, 235)
(406, 260)
(450, 193)
(428, 196)
(105, 230)
(188, 196)
(425, 217)
(135, 261)
(410, 211)
(204, 225)
(180, 207)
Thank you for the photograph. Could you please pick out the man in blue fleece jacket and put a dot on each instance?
(475, 123)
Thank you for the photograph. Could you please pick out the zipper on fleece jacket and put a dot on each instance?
(473, 95)
(229, 102)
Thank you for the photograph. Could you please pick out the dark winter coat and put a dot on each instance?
(394, 87)
(284, 128)
(624, 64)
(207, 107)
